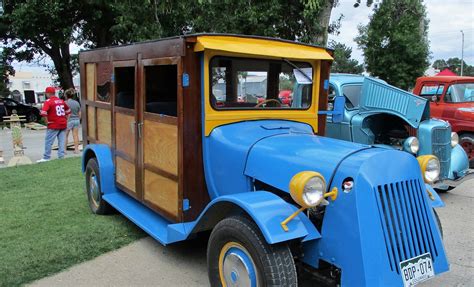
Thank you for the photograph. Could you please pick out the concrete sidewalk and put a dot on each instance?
(33, 142)
(147, 263)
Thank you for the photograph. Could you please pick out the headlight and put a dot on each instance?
(454, 139)
(430, 167)
(307, 188)
(412, 145)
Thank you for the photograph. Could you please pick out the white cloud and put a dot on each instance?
(447, 19)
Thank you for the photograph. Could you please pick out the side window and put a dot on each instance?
(125, 87)
(448, 98)
(161, 89)
(104, 73)
(331, 97)
(430, 90)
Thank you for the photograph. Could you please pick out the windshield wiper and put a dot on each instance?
(299, 70)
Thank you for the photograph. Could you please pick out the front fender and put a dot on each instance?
(436, 202)
(267, 210)
(459, 162)
(104, 158)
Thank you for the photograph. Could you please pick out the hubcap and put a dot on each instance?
(236, 267)
(94, 191)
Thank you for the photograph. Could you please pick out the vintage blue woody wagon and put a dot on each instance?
(187, 134)
(375, 113)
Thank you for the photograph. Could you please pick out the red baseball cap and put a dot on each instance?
(50, 90)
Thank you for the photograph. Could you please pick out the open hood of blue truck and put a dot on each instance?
(377, 95)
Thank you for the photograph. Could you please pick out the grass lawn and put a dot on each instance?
(46, 225)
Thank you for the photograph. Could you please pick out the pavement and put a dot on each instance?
(33, 143)
(147, 263)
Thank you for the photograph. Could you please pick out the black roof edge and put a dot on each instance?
(210, 34)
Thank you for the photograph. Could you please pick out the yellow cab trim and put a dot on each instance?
(257, 46)
(215, 118)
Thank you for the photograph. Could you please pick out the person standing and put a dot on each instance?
(74, 119)
(55, 110)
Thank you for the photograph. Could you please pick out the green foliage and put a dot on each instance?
(454, 64)
(47, 225)
(6, 70)
(395, 43)
(342, 60)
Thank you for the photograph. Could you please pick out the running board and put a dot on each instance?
(152, 223)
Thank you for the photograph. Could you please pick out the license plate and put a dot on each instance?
(417, 269)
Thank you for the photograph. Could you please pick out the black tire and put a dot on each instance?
(467, 142)
(438, 221)
(96, 203)
(274, 264)
(32, 118)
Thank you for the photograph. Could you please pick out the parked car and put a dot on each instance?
(452, 99)
(375, 113)
(32, 114)
(176, 161)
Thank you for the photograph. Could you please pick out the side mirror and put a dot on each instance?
(338, 110)
(335, 109)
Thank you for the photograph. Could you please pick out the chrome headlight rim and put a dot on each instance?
(454, 139)
(411, 145)
(307, 188)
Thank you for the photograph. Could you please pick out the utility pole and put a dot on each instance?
(462, 52)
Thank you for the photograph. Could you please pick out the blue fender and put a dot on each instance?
(267, 210)
(437, 202)
(106, 165)
(459, 162)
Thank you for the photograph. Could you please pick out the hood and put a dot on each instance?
(275, 160)
(377, 95)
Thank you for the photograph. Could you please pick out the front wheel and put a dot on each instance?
(94, 192)
(238, 255)
(467, 143)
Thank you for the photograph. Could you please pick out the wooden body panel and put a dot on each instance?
(160, 146)
(125, 173)
(162, 193)
(104, 126)
(125, 135)
(91, 122)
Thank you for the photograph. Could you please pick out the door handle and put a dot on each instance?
(139, 126)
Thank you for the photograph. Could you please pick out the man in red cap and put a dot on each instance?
(56, 111)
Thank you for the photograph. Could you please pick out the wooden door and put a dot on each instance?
(159, 130)
(125, 125)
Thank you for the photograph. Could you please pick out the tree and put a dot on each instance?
(342, 60)
(6, 70)
(394, 43)
(33, 27)
(454, 64)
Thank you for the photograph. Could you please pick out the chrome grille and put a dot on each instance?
(404, 216)
(441, 141)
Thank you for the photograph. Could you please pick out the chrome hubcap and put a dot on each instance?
(94, 191)
(238, 268)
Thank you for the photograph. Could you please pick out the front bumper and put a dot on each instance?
(455, 182)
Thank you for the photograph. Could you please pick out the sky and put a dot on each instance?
(447, 18)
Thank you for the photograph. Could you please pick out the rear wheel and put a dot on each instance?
(238, 255)
(94, 192)
(467, 142)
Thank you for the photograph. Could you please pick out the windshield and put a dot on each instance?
(239, 83)
(352, 93)
(460, 93)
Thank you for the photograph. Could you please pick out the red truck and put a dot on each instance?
(452, 99)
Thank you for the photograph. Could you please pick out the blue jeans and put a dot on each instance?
(51, 135)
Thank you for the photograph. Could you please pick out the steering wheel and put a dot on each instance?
(267, 101)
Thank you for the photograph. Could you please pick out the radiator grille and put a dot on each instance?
(441, 140)
(404, 216)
